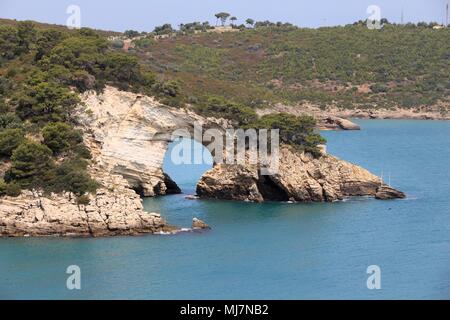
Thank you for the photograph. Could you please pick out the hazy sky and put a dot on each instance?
(144, 15)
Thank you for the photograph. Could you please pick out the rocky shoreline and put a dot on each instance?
(108, 214)
(333, 118)
(115, 210)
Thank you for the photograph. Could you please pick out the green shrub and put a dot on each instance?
(2, 187)
(9, 189)
(164, 29)
(71, 176)
(9, 43)
(169, 88)
(60, 137)
(10, 139)
(379, 88)
(46, 101)
(221, 108)
(296, 131)
(131, 33)
(30, 163)
(83, 80)
(13, 189)
(3, 107)
(46, 41)
(117, 44)
(148, 79)
(121, 69)
(83, 200)
(144, 43)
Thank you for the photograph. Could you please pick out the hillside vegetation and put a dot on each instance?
(347, 67)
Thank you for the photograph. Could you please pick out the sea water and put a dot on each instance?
(271, 250)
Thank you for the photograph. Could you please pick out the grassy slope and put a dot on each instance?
(405, 66)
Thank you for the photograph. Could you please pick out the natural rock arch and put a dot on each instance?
(129, 136)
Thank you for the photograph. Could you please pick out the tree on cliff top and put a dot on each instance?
(250, 22)
(296, 131)
(222, 16)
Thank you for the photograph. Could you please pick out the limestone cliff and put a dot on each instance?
(129, 135)
(114, 211)
(300, 178)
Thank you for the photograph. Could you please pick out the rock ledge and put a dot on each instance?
(109, 213)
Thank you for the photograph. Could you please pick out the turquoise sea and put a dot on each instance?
(271, 250)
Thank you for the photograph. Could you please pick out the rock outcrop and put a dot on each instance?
(300, 178)
(108, 213)
(386, 192)
(198, 224)
(335, 123)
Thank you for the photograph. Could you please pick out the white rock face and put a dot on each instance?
(129, 135)
(109, 213)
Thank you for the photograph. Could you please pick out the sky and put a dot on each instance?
(144, 15)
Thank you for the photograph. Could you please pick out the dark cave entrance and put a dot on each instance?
(167, 187)
(139, 190)
(270, 190)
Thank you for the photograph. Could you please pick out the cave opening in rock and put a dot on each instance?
(139, 190)
(270, 190)
(185, 162)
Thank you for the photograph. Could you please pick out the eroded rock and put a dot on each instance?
(129, 134)
(109, 213)
(301, 178)
(386, 192)
(198, 224)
